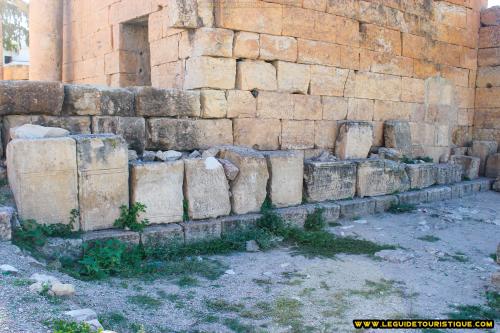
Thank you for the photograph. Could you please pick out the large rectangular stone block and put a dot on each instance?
(470, 165)
(356, 208)
(379, 177)
(31, 97)
(397, 135)
(153, 102)
(159, 187)
(206, 189)
(354, 140)
(329, 180)
(248, 189)
(43, 177)
(438, 193)
(201, 230)
(187, 134)
(132, 129)
(413, 197)
(493, 166)
(102, 162)
(286, 177)
(210, 72)
(447, 173)
(257, 133)
(421, 175)
(483, 149)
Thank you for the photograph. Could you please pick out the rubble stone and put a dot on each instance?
(206, 188)
(397, 135)
(389, 154)
(286, 174)
(470, 165)
(248, 189)
(354, 140)
(379, 177)
(230, 169)
(421, 175)
(333, 180)
(37, 186)
(159, 187)
(102, 162)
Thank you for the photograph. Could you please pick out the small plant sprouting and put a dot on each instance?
(74, 218)
(315, 221)
(129, 217)
(401, 208)
(185, 210)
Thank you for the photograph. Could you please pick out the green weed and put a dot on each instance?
(220, 305)
(63, 326)
(489, 311)
(145, 301)
(129, 217)
(429, 238)
(401, 208)
(315, 221)
(114, 320)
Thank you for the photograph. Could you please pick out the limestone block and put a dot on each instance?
(102, 162)
(412, 197)
(307, 107)
(241, 104)
(328, 81)
(210, 72)
(159, 187)
(153, 102)
(132, 129)
(160, 234)
(7, 215)
(286, 176)
(262, 134)
(201, 230)
(297, 134)
(397, 135)
(448, 173)
(31, 97)
(187, 134)
(249, 188)
(30, 131)
(47, 190)
(234, 223)
(483, 149)
(254, 74)
(83, 100)
(421, 175)
(246, 45)
(292, 77)
(384, 202)
(438, 193)
(470, 165)
(379, 177)
(206, 189)
(182, 13)
(127, 236)
(211, 42)
(493, 166)
(357, 207)
(334, 108)
(213, 103)
(278, 48)
(491, 16)
(354, 140)
(333, 180)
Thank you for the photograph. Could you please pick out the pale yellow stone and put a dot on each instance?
(241, 104)
(293, 78)
(253, 74)
(286, 174)
(354, 140)
(213, 104)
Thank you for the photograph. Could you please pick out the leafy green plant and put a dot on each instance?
(129, 217)
(63, 326)
(315, 221)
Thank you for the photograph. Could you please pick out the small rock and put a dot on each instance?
(132, 155)
(325, 157)
(169, 155)
(62, 289)
(8, 269)
(29, 131)
(211, 163)
(252, 246)
(95, 324)
(230, 272)
(82, 314)
(230, 169)
(195, 154)
(38, 287)
(148, 156)
(43, 278)
(390, 154)
(211, 152)
(396, 256)
(361, 221)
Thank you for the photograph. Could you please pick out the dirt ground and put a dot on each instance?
(444, 260)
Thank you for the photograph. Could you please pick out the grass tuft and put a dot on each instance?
(401, 208)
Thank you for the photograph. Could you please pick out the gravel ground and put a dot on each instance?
(279, 291)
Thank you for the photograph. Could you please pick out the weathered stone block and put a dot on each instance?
(412, 197)
(201, 230)
(213, 103)
(210, 72)
(493, 166)
(7, 214)
(159, 187)
(253, 74)
(132, 129)
(31, 97)
(246, 45)
(328, 81)
(206, 189)
(170, 233)
(234, 223)
(331, 211)
(354, 140)
(241, 104)
(379, 177)
(187, 134)
(182, 13)
(47, 190)
(153, 102)
(438, 193)
(259, 134)
(483, 149)
(211, 42)
(329, 180)
(447, 173)
(126, 236)
(286, 174)
(83, 100)
(470, 165)
(102, 162)
(397, 135)
(421, 175)
(278, 48)
(295, 216)
(296, 134)
(356, 207)
(384, 202)
(292, 77)
(248, 190)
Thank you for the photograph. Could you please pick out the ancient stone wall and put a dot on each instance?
(285, 74)
(487, 114)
